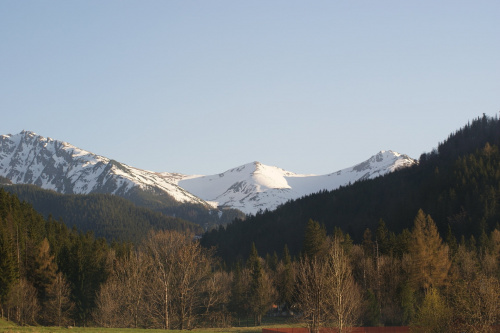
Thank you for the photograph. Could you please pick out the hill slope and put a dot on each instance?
(458, 185)
(108, 216)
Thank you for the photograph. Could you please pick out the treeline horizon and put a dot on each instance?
(419, 247)
(52, 275)
(458, 184)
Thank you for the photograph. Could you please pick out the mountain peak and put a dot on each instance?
(27, 158)
(255, 186)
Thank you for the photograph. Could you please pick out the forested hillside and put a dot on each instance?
(192, 212)
(398, 270)
(108, 216)
(48, 272)
(458, 184)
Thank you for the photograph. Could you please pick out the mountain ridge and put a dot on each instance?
(456, 184)
(255, 186)
(60, 166)
(28, 158)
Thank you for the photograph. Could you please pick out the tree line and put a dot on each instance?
(414, 278)
(53, 275)
(458, 184)
(401, 269)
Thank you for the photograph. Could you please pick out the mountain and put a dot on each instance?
(255, 186)
(27, 158)
(457, 184)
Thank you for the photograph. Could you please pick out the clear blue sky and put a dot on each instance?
(200, 87)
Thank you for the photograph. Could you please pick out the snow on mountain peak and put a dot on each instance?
(255, 186)
(27, 158)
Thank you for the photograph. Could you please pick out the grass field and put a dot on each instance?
(8, 327)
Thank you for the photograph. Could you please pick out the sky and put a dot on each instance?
(200, 87)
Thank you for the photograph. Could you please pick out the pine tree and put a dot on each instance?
(407, 303)
(285, 280)
(237, 302)
(261, 293)
(314, 239)
(372, 309)
(367, 243)
(8, 267)
(451, 240)
(382, 238)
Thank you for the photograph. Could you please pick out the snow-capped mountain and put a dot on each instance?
(255, 186)
(27, 158)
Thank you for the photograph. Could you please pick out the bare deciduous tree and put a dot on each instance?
(215, 300)
(344, 297)
(23, 303)
(179, 267)
(312, 292)
(193, 267)
(161, 247)
(120, 300)
(58, 306)
(108, 304)
(327, 292)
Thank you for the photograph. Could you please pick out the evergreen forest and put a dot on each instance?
(419, 247)
(458, 184)
(105, 215)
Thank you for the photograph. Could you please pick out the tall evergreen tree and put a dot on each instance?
(261, 294)
(382, 238)
(8, 268)
(314, 239)
(285, 280)
(237, 303)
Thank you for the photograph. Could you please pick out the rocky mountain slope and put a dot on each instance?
(27, 158)
(255, 186)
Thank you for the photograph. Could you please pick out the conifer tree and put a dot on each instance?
(433, 315)
(237, 303)
(285, 280)
(261, 293)
(44, 270)
(314, 239)
(372, 309)
(8, 267)
(382, 238)
(430, 260)
(451, 240)
(367, 243)
(407, 303)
